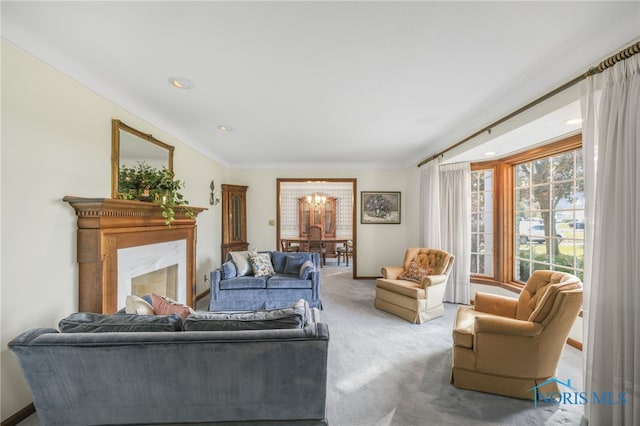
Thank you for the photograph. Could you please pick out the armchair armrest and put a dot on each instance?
(495, 304)
(391, 272)
(508, 326)
(432, 280)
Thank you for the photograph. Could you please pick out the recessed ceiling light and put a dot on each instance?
(180, 83)
(573, 121)
(225, 128)
(488, 153)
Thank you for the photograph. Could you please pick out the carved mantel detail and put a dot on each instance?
(106, 225)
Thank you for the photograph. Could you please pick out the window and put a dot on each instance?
(549, 215)
(528, 214)
(482, 222)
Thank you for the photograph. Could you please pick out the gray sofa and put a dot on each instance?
(235, 288)
(177, 377)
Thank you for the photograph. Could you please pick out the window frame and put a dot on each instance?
(504, 208)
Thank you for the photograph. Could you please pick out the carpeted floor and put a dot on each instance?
(385, 371)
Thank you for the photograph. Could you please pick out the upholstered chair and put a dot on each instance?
(414, 291)
(510, 346)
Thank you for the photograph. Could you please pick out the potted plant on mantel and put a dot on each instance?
(145, 183)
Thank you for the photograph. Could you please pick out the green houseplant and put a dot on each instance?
(145, 183)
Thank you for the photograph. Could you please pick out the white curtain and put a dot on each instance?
(455, 228)
(430, 205)
(611, 138)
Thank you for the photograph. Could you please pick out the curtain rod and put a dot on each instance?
(607, 63)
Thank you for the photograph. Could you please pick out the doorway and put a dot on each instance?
(292, 218)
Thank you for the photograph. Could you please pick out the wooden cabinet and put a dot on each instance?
(234, 219)
(323, 215)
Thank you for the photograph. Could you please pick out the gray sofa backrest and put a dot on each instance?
(176, 377)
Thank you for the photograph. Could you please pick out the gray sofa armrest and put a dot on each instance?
(214, 278)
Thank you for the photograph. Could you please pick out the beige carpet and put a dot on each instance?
(385, 371)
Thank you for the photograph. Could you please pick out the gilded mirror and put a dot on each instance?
(130, 146)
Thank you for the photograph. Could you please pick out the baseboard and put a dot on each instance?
(203, 294)
(19, 416)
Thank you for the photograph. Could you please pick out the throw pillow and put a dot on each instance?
(261, 264)
(137, 305)
(287, 318)
(415, 272)
(306, 269)
(228, 270)
(241, 260)
(86, 322)
(166, 306)
(293, 264)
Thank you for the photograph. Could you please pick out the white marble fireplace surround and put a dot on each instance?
(136, 261)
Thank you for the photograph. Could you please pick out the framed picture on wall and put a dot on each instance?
(380, 207)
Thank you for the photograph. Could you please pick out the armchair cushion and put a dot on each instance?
(415, 272)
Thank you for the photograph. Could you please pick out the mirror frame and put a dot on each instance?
(116, 127)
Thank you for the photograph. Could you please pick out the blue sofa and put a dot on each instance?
(124, 369)
(233, 288)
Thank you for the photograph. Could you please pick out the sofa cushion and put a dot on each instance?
(306, 269)
(167, 306)
(246, 282)
(137, 305)
(287, 318)
(279, 260)
(241, 260)
(227, 270)
(87, 322)
(261, 264)
(293, 264)
(288, 281)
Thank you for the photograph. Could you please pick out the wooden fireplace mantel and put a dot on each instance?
(106, 225)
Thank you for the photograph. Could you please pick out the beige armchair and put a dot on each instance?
(510, 346)
(414, 291)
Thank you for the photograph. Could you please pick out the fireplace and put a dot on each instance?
(124, 247)
(153, 268)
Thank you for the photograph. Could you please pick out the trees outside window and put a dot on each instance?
(549, 206)
(528, 214)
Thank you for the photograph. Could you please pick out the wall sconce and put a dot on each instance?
(213, 199)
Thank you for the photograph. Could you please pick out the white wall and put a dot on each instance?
(56, 141)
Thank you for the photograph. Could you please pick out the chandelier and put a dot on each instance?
(316, 199)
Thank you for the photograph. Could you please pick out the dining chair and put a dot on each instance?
(314, 240)
(345, 251)
(288, 248)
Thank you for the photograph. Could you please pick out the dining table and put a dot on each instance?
(330, 243)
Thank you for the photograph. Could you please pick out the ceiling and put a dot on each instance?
(321, 84)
